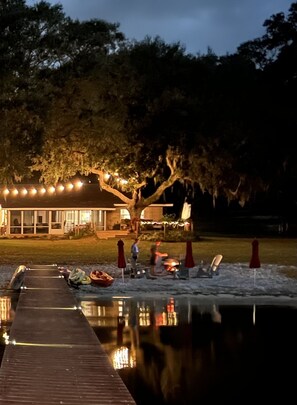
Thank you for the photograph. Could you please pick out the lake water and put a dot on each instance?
(180, 351)
(8, 303)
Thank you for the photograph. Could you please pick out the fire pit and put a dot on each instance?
(171, 265)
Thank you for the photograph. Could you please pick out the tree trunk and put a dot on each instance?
(135, 214)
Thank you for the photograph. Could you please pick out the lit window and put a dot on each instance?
(125, 213)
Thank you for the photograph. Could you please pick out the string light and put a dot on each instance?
(172, 223)
(78, 184)
(32, 191)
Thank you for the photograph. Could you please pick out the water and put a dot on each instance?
(179, 351)
(8, 302)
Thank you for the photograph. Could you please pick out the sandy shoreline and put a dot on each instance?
(235, 281)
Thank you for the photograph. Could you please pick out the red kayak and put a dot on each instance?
(101, 278)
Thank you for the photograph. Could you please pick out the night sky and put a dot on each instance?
(221, 25)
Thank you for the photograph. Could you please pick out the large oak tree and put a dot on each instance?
(147, 116)
(141, 116)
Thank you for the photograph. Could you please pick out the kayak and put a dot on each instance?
(101, 278)
(78, 277)
(17, 279)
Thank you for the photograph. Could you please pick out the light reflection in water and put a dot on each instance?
(142, 314)
(178, 351)
(5, 309)
(122, 358)
(7, 312)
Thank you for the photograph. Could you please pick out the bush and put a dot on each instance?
(174, 235)
(80, 232)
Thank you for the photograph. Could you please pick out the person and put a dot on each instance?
(134, 257)
(156, 257)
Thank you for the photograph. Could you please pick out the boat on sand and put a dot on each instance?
(17, 279)
(78, 277)
(101, 278)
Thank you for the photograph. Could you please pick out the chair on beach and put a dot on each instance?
(212, 269)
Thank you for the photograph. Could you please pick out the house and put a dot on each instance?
(34, 210)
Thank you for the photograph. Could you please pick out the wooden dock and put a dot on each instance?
(54, 356)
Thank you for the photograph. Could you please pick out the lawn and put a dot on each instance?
(90, 250)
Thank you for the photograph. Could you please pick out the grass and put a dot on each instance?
(90, 250)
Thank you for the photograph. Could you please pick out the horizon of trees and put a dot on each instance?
(143, 116)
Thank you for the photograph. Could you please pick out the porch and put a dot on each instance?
(114, 234)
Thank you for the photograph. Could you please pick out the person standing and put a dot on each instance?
(134, 257)
(156, 257)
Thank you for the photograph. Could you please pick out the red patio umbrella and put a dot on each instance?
(255, 261)
(121, 257)
(189, 261)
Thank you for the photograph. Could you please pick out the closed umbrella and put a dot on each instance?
(189, 261)
(121, 257)
(255, 261)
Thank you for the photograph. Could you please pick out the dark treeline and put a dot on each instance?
(77, 97)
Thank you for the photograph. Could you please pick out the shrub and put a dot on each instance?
(174, 235)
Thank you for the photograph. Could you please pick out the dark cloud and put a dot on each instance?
(221, 25)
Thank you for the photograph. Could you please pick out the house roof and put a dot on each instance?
(89, 196)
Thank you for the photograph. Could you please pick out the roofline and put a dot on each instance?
(57, 208)
(151, 205)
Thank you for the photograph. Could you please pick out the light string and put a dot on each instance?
(31, 190)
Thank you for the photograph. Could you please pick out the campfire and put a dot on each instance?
(171, 265)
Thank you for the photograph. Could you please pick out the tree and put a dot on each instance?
(140, 116)
(275, 57)
(115, 122)
(144, 118)
(35, 42)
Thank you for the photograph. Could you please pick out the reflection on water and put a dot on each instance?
(178, 351)
(7, 310)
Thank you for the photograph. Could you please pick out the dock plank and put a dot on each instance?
(57, 357)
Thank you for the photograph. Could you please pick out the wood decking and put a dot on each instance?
(54, 356)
